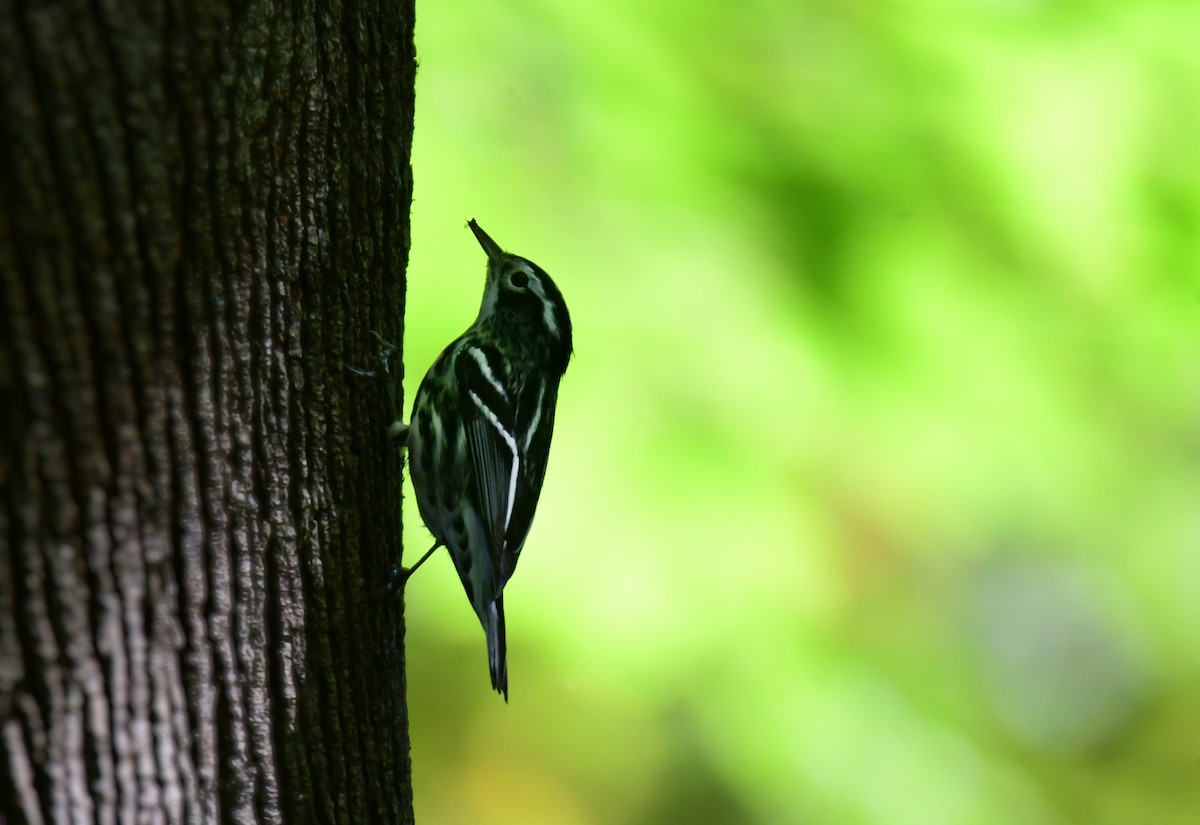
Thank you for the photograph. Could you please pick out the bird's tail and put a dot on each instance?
(497, 649)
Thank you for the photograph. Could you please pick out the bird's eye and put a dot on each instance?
(519, 280)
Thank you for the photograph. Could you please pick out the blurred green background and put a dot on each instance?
(873, 495)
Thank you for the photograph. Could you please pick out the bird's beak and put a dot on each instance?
(493, 250)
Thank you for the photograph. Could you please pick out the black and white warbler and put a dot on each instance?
(480, 433)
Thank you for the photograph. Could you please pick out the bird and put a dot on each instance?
(479, 434)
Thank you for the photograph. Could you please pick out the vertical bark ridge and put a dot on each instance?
(204, 216)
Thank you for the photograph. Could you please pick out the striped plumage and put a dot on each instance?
(480, 432)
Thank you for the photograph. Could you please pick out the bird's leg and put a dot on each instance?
(399, 576)
(398, 432)
(386, 350)
(420, 561)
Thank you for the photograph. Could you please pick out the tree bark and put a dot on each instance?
(203, 214)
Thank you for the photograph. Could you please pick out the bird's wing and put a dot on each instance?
(495, 451)
(535, 425)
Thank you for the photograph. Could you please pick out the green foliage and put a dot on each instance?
(873, 493)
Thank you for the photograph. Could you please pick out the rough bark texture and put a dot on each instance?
(203, 213)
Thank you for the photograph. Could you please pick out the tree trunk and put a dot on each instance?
(203, 214)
